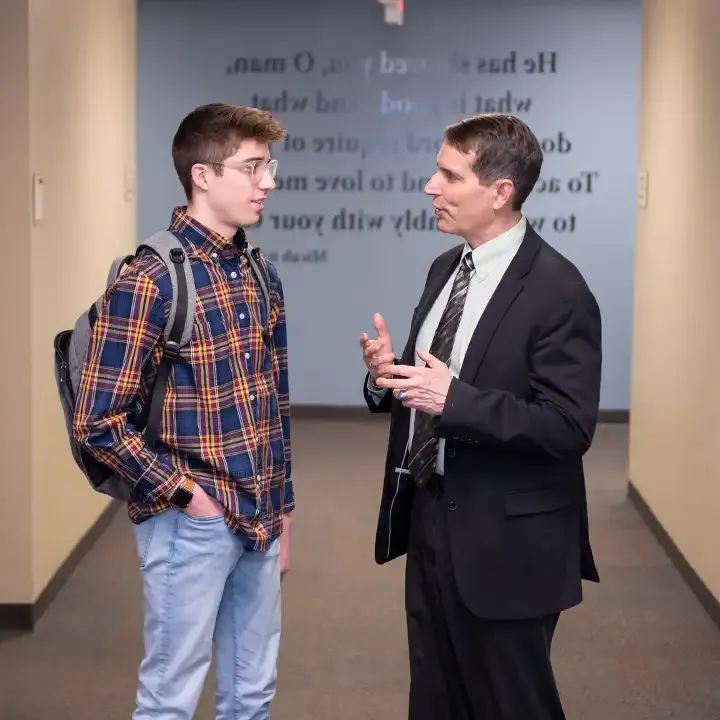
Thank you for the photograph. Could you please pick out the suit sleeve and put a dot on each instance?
(379, 400)
(559, 415)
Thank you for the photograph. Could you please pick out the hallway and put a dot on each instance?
(640, 647)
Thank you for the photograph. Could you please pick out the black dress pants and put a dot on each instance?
(463, 667)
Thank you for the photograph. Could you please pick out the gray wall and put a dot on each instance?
(365, 104)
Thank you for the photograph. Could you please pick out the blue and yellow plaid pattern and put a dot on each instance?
(226, 418)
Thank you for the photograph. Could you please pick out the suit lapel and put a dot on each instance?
(432, 289)
(508, 289)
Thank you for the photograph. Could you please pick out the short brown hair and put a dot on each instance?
(504, 147)
(212, 133)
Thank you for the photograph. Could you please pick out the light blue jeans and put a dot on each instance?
(202, 585)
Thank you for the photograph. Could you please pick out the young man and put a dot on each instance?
(494, 403)
(211, 504)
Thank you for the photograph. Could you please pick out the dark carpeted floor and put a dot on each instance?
(639, 648)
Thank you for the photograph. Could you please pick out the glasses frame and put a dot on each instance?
(250, 166)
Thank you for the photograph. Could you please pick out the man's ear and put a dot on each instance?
(199, 176)
(504, 190)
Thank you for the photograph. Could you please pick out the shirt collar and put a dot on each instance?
(201, 237)
(499, 248)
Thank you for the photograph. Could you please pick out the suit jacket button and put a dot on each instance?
(452, 506)
(451, 453)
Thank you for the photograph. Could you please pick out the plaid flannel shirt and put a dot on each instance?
(226, 417)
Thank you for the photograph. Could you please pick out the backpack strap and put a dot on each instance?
(117, 267)
(113, 274)
(258, 270)
(179, 324)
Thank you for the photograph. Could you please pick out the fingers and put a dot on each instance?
(408, 371)
(399, 383)
(379, 323)
(383, 338)
(374, 349)
(371, 350)
(405, 396)
(377, 354)
(375, 345)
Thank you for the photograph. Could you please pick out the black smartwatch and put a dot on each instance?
(183, 494)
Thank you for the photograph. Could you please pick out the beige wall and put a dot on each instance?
(675, 403)
(76, 129)
(15, 487)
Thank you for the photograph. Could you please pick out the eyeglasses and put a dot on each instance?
(256, 169)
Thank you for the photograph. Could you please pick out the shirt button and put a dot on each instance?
(252, 397)
(233, 274)
(214, 255)
(259, 477)
(242, 316)
(247, 356)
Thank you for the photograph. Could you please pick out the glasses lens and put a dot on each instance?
(259, 170)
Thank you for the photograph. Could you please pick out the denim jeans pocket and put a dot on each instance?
(202, 520)
(143, 538)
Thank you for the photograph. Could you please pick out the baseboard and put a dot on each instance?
(621, 417)
(709, 602)
(361, 412)
(25, 616)
(335, 412)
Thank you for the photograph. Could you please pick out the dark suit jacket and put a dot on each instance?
(517, 422)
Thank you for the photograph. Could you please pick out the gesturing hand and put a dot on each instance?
(378, 354)
(422, 388)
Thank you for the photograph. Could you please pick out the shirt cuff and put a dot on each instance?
(374, 390)
(165, 489)
(289, 500)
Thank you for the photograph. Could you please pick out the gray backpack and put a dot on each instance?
(71, 350)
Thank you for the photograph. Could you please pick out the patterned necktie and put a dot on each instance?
(423, 449)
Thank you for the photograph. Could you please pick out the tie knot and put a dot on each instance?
(467, 263)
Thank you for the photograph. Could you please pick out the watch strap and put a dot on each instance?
(183, 493)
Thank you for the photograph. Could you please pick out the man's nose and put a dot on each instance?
(432, 188)
(267, 182)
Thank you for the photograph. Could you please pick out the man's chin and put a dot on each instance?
(252, 219)
(445, 225)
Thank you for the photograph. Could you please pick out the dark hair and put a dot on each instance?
(504, 147)
(212, 133)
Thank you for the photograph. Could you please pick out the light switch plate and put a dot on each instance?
(642, 189)
(38, 198)
(130, 184)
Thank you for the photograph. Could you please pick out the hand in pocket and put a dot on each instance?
(202, 505)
